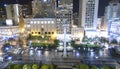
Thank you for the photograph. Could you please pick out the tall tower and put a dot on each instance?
(88, 11)
(12, 12)
(36, 7)
(63, 13)
(43, 8)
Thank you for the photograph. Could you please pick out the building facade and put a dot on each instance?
(112, 19)
(112, 10)
(64, 15)
(41, 26)
(9, 31)
(27, 10)
(88, 11)
(114, 29)
(2, 13)
(43, 8)
(13, 11)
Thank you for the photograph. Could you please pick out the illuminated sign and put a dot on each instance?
(9, 22)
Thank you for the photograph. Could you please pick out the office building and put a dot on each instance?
(2, 13)
(41, 27)
(9, 31)
(13, 11)
(112, 10)
(64, 15)
(43, 8)
(27, 10)
(88, 12)
(112, 19)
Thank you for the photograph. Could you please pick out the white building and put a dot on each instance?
(13, 11)
(112, 10)
(64, 15)
(88, 12)
(112, 18)
(41, 26)
(9, 31)
(77, 33)
(114, 29)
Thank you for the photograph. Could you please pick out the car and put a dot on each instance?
(68, 48)
(60, 48)
(8, 57)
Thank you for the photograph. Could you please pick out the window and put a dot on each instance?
(35, 32)
(32, 32)
(49, 33)
(52, 32)
(31, 22)
(45, 32)
(35, 22)
(38, 32)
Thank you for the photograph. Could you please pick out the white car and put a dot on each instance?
(61, 48)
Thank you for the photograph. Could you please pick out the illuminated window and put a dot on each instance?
(35, 22)
(52, 22)
(38, 22)
(48, 22)
(41, 22)
(31, 22)
(45, 22)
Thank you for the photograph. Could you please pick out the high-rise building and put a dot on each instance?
(27, 10)
(64, 15)
(12, 12)
(112, 10)
(2, 13)
(75, 18)
(43, 8)
(112, 19)
(88, 11)
(66, 3)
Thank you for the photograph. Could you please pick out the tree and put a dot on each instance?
(56, 42)
(72, 42)
(17, 66)
(94, 67)
(84, 66)
(45, 66)
(26, 66)
(114, 41)
(103, 40)
(106, 67)
(85, 39)
(35, 66)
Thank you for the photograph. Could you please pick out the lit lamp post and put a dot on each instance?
(65, 27)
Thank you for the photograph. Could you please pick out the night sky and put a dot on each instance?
(102, 4)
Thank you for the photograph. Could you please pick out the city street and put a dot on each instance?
(72, 58)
